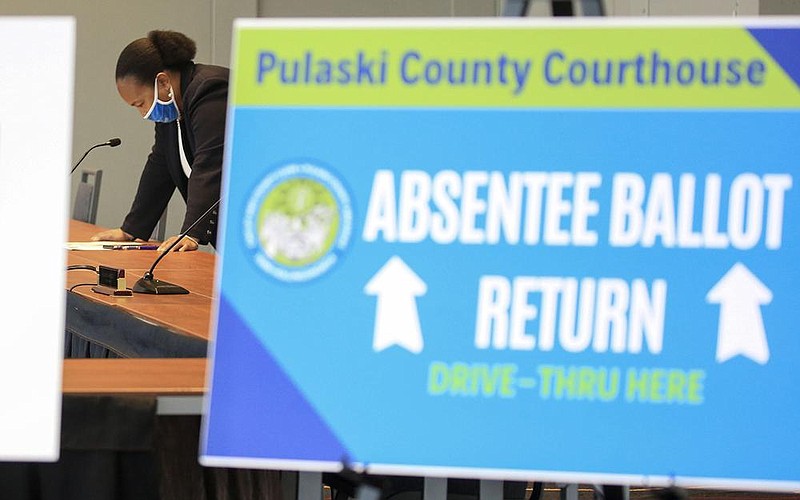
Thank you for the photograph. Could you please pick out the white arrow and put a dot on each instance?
(741, 328)
(396, 316)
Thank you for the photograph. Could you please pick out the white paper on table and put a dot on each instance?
(98, 245)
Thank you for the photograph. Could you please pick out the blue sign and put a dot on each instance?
(598, 292)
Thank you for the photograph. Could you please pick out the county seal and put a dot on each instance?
(298, 222)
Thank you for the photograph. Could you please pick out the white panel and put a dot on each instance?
(36, 81)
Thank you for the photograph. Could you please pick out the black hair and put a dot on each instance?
(144, 58)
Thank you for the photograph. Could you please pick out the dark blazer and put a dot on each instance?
(204, 91)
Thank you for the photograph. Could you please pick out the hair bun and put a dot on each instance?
(176, 49)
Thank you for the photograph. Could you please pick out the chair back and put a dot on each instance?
(86, 198)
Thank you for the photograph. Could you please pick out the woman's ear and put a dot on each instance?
(164, 85)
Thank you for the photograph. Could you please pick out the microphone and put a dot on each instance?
(149, 284)
(111, 142)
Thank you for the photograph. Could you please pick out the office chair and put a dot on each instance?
(86, 198)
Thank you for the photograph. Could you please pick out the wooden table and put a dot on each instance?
(173, 377)
(178, 385)
(180, 315)
(183, 314)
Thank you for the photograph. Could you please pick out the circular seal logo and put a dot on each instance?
(298, 222)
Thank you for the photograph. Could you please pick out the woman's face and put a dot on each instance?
(140, 95)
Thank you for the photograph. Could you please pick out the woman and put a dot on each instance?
(188, 101)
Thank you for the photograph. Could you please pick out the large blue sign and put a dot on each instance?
(604, 292)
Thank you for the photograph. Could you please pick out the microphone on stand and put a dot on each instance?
(149, 284)
(111, 142)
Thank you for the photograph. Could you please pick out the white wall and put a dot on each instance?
(379, 8)
(779, 7)
(701, 7)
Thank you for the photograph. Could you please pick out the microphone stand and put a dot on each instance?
(149, 284)
(112, 142)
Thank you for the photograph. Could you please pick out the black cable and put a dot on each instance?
(86, 267)
(73, 287)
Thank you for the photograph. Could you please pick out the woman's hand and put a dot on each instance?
(187, 244)
(112, 235)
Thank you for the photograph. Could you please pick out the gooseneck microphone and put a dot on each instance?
(111, 142)
(148, 283)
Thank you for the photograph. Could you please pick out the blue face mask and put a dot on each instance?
(160, 111)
